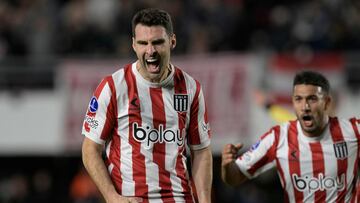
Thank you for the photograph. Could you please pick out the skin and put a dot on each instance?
(153, 42)
(307, 100)
(150, 42)
(230, 172)
(202, 173)
(312, 101)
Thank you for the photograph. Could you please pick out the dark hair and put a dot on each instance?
(312, 78)
(153, 17)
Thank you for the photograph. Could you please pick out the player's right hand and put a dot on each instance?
(230, 153)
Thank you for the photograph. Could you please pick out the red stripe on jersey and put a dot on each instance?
(138, 159)
(180, 88)
(294, 156)
(342, 164)
(159, 150)
(356, 194)
(318, 168)
(270, 154)
(114, 158)
(194, 137)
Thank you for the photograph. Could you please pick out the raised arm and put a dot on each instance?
(230, 172)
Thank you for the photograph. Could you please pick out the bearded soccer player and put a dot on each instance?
(316, 156)
(144, 115)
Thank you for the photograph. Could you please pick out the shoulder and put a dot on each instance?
(279, 133)
(278, 129)
(181, 74)
(344, 121)
(120, 74)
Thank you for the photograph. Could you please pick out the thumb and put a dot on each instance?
(238, 146)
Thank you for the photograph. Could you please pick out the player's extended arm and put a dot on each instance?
(230, 172)
(94, 164)
(202, 173)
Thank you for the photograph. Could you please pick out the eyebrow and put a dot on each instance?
(157, 41)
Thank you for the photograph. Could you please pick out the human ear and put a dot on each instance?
(173, 41)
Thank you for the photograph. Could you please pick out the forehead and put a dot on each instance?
(305, 90)
(143, 32)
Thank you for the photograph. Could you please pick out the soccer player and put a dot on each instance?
(145, 115)
(316, 156)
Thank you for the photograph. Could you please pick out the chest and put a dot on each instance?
(314, 158)
(154, 107)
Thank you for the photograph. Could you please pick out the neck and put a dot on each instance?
(153, 77)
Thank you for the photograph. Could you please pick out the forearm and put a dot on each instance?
(91, 155)
(202, 172)
(232, 175)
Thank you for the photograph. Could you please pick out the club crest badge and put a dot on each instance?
(341, 150)
(181, 102)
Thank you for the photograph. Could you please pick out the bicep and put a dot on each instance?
(90, 147)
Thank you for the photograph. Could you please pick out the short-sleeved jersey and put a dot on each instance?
(318, 169)
(145, 127)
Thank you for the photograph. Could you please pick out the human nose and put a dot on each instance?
(305, 106)
(150, 49)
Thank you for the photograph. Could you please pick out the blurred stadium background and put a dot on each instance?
(54, 52)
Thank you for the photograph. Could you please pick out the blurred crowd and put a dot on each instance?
(46, 28)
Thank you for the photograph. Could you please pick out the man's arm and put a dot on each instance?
(230, 172)
(202, 173)
(94, 164)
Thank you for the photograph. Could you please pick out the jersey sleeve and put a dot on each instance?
(261, 156)
(100, 116)
(199, 132)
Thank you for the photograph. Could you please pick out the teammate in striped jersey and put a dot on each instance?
(316, 156)
(146, 115)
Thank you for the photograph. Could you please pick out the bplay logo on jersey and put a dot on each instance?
(150, 136)
(313, 184)
(93, 105)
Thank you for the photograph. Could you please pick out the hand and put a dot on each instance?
(230, 153)
(122, 199)
(230, 173)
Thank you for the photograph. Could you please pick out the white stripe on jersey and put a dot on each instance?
(100, 116)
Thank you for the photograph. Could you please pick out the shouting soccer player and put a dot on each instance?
(145, 114)
(316, 156)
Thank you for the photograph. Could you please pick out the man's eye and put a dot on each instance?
(141, 43)
(313, 99)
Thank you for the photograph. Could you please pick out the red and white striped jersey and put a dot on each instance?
(145, 127)
(318, 169)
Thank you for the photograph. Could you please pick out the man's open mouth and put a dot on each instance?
(153, 65)
(308, 120)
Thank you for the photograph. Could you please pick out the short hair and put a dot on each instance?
(153, 17)
(312, 78)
